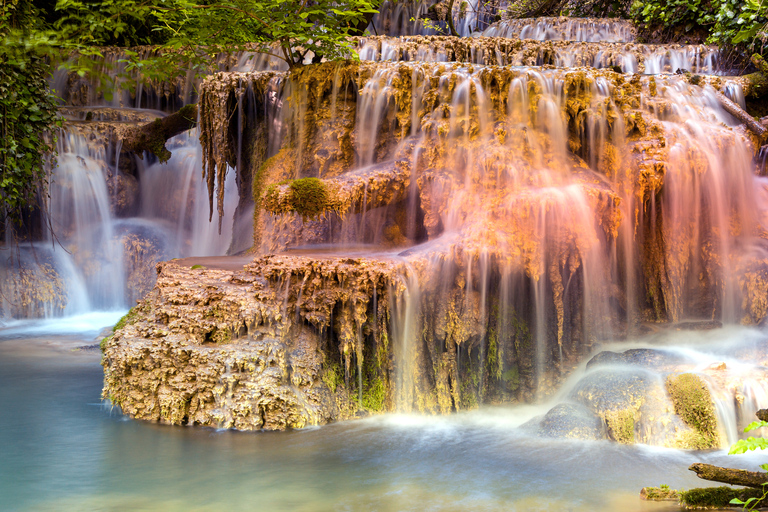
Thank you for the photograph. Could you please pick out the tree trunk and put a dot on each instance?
(729, 476)
(152, 136)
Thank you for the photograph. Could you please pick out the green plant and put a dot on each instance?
(753, 502)
(28, 114)
(751, 443)
(190, 31)
(742, 446)
(742, 22)
(684, 13)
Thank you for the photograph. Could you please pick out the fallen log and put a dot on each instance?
(750, 122)
(729, 476)
(152, 136)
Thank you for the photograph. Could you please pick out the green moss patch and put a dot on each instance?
(374, 395)
(693, 404)
(621, 425)
(309, 197)
(124, 320)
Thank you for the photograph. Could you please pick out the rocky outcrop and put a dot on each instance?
(279, 344)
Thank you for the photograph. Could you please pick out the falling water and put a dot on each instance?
(100, 252)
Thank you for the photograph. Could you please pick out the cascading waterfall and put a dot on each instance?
(574, 269)
(534, 213)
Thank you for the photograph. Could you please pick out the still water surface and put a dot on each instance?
(62, 449)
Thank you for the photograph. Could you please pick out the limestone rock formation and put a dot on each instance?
(243, 349)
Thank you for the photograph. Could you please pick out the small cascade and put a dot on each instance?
(127, 90)
(406, 319)
(80, 213)
(650, 59)
(634, 395)
(420, 17)
(174, 195)
(565, 29)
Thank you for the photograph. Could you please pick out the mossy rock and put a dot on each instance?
(621, 425)
(572, 421)
(374, 395)
(661, 493)
(693, 403)
(309, 197)
(125, 319)
(718, 497)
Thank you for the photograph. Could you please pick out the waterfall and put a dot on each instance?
(112, 220)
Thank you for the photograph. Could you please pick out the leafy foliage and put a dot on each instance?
(742, 23)
(686, 13)
(751, 443)
(191, 31)
(27, 115)
(742, 446)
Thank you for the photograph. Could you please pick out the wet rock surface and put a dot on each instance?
(570, 421)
